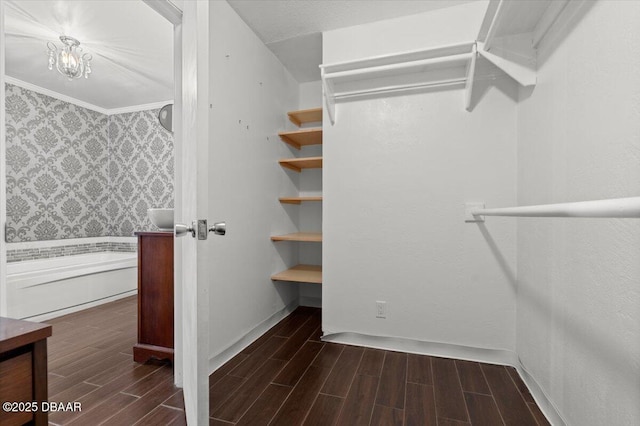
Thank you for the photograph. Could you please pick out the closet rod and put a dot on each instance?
(400, 87)
(463, 57)
(612, 208)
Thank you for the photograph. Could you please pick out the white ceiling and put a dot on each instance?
(132, 48)
(132, 45)
(291, 28)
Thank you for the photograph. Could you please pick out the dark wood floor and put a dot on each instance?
(286, 377)
(90, 361)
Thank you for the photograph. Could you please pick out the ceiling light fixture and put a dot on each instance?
(69, 60)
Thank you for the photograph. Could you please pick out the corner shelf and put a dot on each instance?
(298, 200)
(511, 18)
(512, 30)
(300, 273)
(309, 237)
(303, 116)
(302, 137)
(297, 164)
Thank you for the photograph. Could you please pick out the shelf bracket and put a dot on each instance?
(521, 73)
(329, 98)
(470, 217)
(471, 71)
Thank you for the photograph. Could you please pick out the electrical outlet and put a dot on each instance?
(381, 309)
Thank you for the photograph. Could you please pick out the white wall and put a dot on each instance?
(310, 95)
(250, 94)
(578, 298)
(397, 172)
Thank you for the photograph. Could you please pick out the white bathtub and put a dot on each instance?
(56, 286)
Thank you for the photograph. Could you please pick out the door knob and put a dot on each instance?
(219, 228)
(200, 229)
(182, 230)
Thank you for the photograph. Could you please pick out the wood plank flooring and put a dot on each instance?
(286, 377)
(289, 377)
(90, 361)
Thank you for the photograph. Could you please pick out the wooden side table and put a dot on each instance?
(23, 369)
(155, 296)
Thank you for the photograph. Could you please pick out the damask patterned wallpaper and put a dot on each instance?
(140, 170)
(73, 172)
(57, 158)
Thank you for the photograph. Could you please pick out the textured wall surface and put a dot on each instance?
(73, 172)
(250, 92)
(578, 323)
(397, 172)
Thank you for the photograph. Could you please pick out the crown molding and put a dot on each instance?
(168, 9)
(56, 95)
(136, 108)
(74, 101)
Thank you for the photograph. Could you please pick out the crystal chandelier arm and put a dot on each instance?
(86, 61)
(53, 50)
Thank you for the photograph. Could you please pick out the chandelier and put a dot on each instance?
(69, 60)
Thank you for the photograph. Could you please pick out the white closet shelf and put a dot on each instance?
(433, 67)
(301, 274)
(395, 62)
(511, 32)
(512, 18)
(508, 38)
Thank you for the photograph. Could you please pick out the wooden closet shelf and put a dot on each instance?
(298, 200)
(302, 116)
(302, 137)
(297, 164)
(313, 237)
(301, 274)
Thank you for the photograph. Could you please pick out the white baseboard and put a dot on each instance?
(444, 350)
(235, 348)
(548, 408)
(76, 308)
(448, 350)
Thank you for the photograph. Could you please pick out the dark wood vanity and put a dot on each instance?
(155, 296)
(23, 371)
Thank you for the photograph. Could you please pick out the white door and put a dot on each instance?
(192, 270)
(192, 205)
